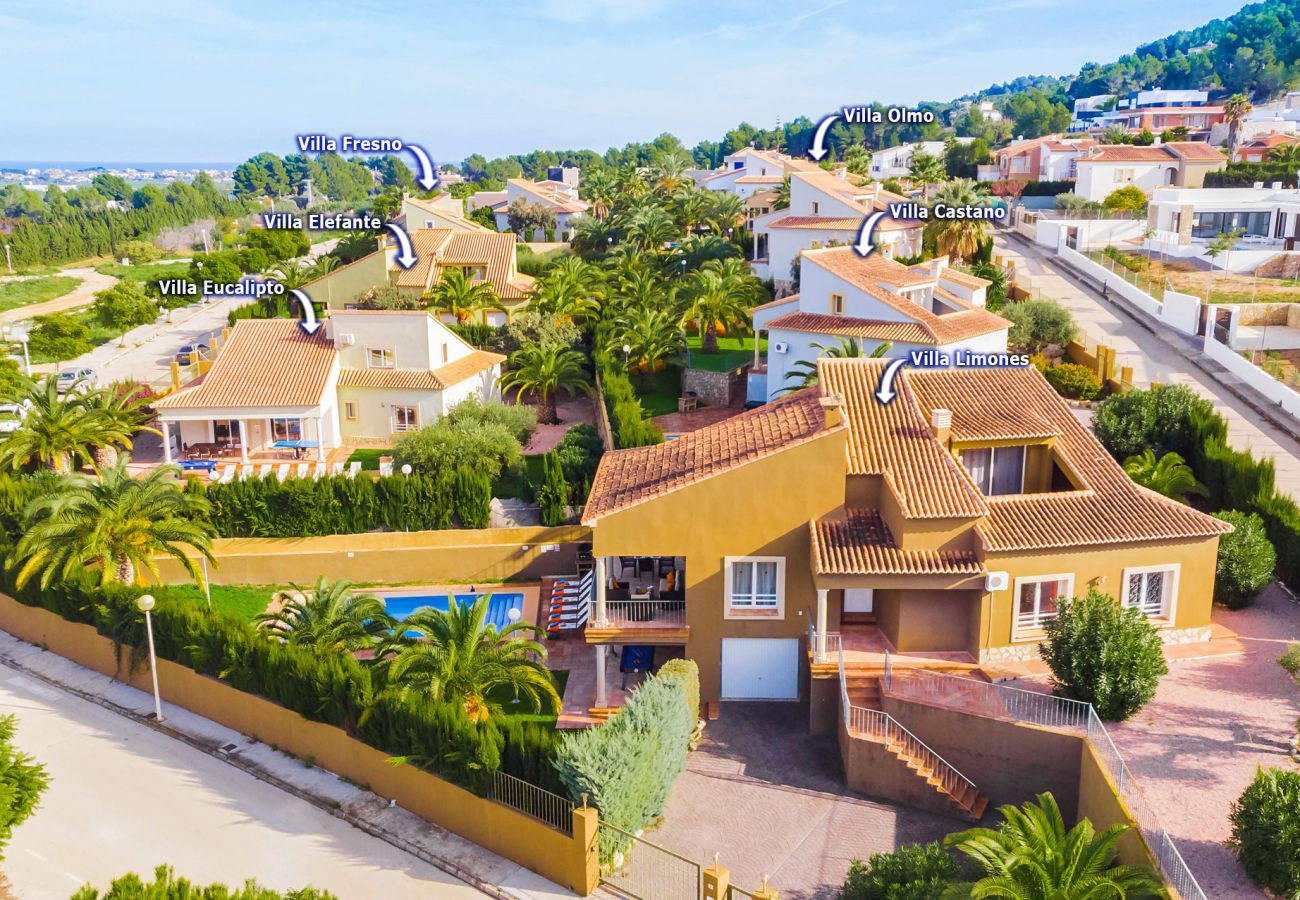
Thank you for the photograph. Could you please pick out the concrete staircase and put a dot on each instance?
(966, 802)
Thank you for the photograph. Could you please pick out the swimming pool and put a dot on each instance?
(498, 614)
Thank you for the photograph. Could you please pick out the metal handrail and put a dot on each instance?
(533, 801)
(627, 613)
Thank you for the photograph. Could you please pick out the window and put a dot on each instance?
(479, 272)
(996, 470)
(405, 418)
(1037, 599)
(428, 223)
(1152, 589)
(1212, 224)
(755, 585)
(445, 353)
(286, 429)
(350, 410)
(380, 358)
(816, 207)
(837, 304)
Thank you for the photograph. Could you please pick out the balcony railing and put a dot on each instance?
(644, 613)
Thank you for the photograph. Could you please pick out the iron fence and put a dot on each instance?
(638, 869)
(738, 893)
(532, 801)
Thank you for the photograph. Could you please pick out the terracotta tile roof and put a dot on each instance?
(468, 366)
(266, 363)
(760, 179)
(1196, 150)
(1108, 509)
(963, 278)
(850, 327)
(1269, 141)
(826, 223)
(425, 244)
(894, 441)
(773, 304)
(461, 223)
(438, 248)
(421, 379)
(628, 477)
(1070, 146)
(549, 195)
(853, 267)
(861, 544)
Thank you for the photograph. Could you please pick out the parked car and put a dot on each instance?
(11, 416)
(80, 379)
(191, 353)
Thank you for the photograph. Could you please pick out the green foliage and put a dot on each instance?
(279, 244)
(518, 421)
(1103, 654)
(1245, 174)
(1246, 560)
(139, 252)
(22, 781)
(485, 437)
(685, 672)
(912, 872)
(1130, 261)
(327, 615)
(627, 418)
(59, 335)
(1290, 661)
(1168, 475)
(166, 886)
(627, 767)
(472, 498)
(125, 306)
(1160, 419)
(1072, 380)
(553, 494)
(1266, 831)
(579, 453)
(1037, 323)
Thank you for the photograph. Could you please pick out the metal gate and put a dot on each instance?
(635, 868)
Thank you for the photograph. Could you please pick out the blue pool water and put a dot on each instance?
(498, 606)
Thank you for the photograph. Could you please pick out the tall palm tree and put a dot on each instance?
(545, 371)
(691, 205)
(563, 299)
(598, 189)
(1235, 109)
(1287, 154)
(460, 296)
(292, 274)
(782, 200)
(593, 236)
(926, 170)
(726, 211)
(668, 170)
(721, 292)
(457, 656)
(805, 370)
(1032, 857)
(1169, 476)
(329, 615)
(120, 407)
(959, 238)
(60, 429)
(651, 228)
(114, 523)
(651, 334)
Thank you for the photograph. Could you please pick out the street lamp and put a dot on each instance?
(627, 353)
(406, 468)
(145, 603)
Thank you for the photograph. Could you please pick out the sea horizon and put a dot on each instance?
(80, 165)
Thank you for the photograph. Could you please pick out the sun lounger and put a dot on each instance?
(282, 472)
(318, 471)
(337, 469)
(353, 468)
(228, 475)
(302, 470)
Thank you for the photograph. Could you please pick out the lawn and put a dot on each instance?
(144, 273)
(99, 334)
(24, 293)
(660, 391)
(520, 485)
(368, 457)
(520, 712)
(244, 601)
(732, 353)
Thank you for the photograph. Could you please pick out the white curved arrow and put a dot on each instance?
(864, 245)
(309, 321)
(406, 258)
(885, 392)
(428, 177)
(818, 149)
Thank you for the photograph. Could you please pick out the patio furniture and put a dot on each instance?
(385, 468)
(245, 471)
(666, 565)
(353, 468)
(625, 563)
(282, 472)
(301, 471)
(197, 465)
(264, 470)
(688, 402)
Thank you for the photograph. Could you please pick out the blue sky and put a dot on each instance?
(196, 80)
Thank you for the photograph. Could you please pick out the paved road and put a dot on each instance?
(1152, 359)
(92, 282)
(126, 798)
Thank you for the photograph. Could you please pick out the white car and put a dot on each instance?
(81, 379)
(11, 416)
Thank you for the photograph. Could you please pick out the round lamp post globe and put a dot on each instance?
(406, 468)
(514, 615)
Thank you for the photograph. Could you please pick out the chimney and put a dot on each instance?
(831, 414)
(389, 251)
(941, 426)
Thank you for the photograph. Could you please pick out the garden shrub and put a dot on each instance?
(166, 886)
(486, 436)
(579, 453)
(1103, 654)
(912, 872)
(472, 499)
(1037, 323)
(686, 673)
(1074, 381)
(553, 494)
(139, 252)
(1246, 560)
(1161, 419)
(627, 417)
(627, 767)
(519, 420)
(1266, 831)
(59, 336)
(22, 781)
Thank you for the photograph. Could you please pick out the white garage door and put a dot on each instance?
(760, 669)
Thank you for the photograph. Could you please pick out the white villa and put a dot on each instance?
(871, 300)
(896, 162)
(1186, 221)
(560, 197)
(1108, 167)
(443, 211)
(750, 171)
(826, 209)
(363, 377)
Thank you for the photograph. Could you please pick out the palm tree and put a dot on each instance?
(651, 334)
(119, 408)
(926, 170)
(460, 296)
(959, 238)
(782, 195)
(593, 236)
(1169, 476)
(668, 169)
(1287, 155)
(726, 211)
(651, 228)
(60, 429)
(845, 349)
(458, 657)
(292, 274)
(329, 615)
(598, 189)
(1235, 109)
(115, 523)
(721, 292)
(1032, 857)
(691, 206)
(544, 371)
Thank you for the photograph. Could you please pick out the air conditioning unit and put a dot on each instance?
(996, 581)
(780, 347)
(347, 340)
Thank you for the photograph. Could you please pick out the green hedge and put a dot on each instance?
(310, 507)
(627, 418)
(627, 767)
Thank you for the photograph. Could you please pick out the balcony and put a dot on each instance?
(644, 603)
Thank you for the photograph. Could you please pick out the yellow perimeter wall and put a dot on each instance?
(569, 861)
(429, 557)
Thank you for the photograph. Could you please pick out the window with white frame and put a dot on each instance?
(286, 429)
(1124, 176)
(996, 470)
(1037, 599)
(837, 304)
(1151, 589)
(405, 418)
(379, 358)
(350, 410)
(755, 584)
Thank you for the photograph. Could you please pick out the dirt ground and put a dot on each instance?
(1228, 287)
